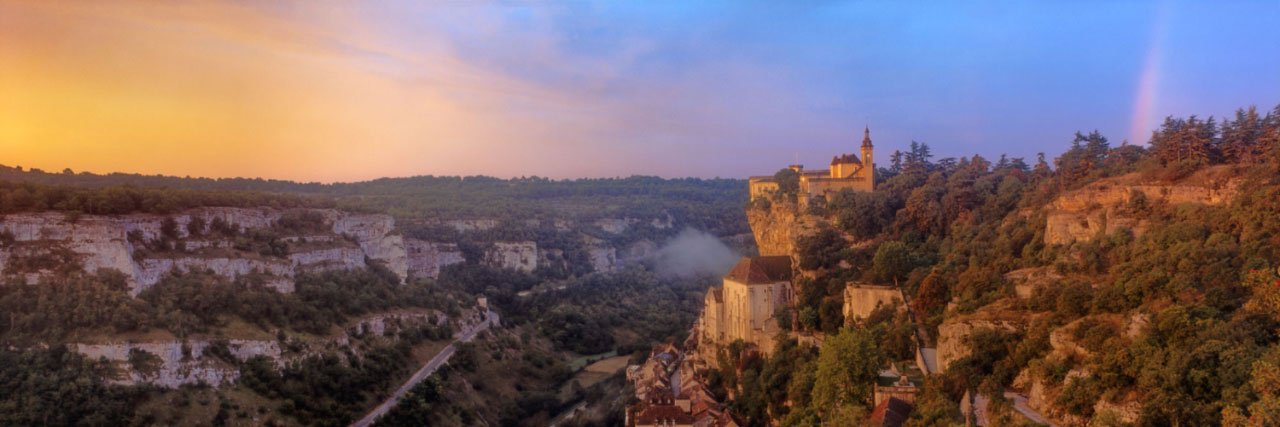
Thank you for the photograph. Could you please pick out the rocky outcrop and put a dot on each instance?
(615, 225)
(603, 258)
(192, 361)
(180, 362)
(374, 234)
(522, 256)
(621, 225)
(1026, 280)
(328, 259)
(278, 273)
(425, 259)
(108, 242)
(953, 334)
(1100, 208)
(382, 324)
(775, 229)
(476, 224)
(636, 252)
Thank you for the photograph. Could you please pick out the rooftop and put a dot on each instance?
(761, 270)
(892, 412)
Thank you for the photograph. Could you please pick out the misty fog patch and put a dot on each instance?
(694, 253)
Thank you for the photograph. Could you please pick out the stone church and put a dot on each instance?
(743, 308)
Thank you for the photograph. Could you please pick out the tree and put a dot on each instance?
(1266, 410)
(863, 214)
(932, 295)
(892, 262)
(820, 250)
(1180, 140)
(1241, 138)
(788, 181)
(848, 366)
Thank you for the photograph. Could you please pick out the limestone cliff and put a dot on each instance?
(954, 333)
(1101, 207)
(188, 362)
(425, 259)
(111, 242)
(522, 256)
(775, 228)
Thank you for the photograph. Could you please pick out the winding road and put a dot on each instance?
(1019, 404)
(440, 359)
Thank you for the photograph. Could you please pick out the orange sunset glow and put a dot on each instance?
(224, 90)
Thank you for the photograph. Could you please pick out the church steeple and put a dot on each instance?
(867, 148)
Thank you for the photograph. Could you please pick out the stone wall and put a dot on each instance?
(861, 299)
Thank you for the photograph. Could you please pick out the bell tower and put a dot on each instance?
(866, 150)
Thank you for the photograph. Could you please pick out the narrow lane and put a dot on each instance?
(440, 359)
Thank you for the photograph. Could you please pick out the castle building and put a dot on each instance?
(744, 306)
(847, 171)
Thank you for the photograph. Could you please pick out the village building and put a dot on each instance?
(847, 172)
(744, 307)
(671, 393)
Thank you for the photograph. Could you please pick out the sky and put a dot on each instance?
(342, 91)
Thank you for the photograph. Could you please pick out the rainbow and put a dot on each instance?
(1141, 123)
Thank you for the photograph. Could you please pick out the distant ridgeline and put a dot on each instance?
(1112, 285)
(712, 205)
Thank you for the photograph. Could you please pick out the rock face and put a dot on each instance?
(953, 335)
(775, 229)
(191, 362)
(374, 233)
(108, 242)
(1099, 207)
(425, 259)
(477, 224)
(1027, 280)
(180, 363)
(279, 272)
(603, 258)
(522, 256)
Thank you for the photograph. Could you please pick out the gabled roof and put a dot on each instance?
(759, 270)
(892, 412)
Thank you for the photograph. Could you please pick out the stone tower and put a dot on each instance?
(866, 153)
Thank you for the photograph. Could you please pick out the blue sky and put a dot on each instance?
(675, 88)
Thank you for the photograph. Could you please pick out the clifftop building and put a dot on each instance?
(743, 308)
(847, 171)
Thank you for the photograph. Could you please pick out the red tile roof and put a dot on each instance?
(892, 412)
(759, 270)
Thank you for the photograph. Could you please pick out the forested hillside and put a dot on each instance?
(699, 203)
(1151, 299)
